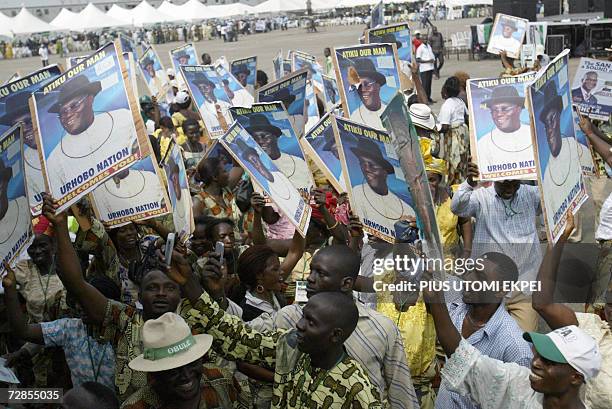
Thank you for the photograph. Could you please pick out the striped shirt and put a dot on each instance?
(501, 338)
(376, 344)
(507, 227)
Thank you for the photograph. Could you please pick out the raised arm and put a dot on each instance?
(16, 319)
(556, 315)
(464, 204)
(69, 267)
(296, 250)
(448, 336)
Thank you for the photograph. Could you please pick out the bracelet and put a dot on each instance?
(334, 226)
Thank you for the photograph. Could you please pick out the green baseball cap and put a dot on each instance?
(545, 346)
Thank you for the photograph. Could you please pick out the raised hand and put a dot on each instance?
(9, 280)
(49, 210)
(257, 202)
(472, 172)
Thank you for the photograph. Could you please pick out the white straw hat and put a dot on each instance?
(168, 344)
(422, 117)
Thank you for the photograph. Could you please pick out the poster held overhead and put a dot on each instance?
(291, 91)
(155, 76)
(178, 190)
(507, 35)
(398, 34)
(592, 88)
(245, 71)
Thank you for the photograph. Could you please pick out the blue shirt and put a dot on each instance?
(501, 338)
(85, 356)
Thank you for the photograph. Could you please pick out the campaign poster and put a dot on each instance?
(12, 78)
(15, 108)
(332, 96)
(216, 150)
(178, 190)
(377, 15)
(183, 55)
(15, 219)
(128, 45)
(507, 35)
(130, 66)
(300, 60)
(72, 61)
(500, 129)
(586, 155)
(278, 65)
(319, 144)
(154, 75)
(375, 182)
(88, 126)
(554, 140)
(265, 175)
(286, 67)
(369, 78)
(592, 88)
(398, 34)
(399, 126)
(208, 94)
(135, 193)
(536, 35)
(291, 91)
(269, 125)
(245, 71)
(311, 108)
(236, 93)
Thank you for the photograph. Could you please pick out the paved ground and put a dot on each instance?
(266, 46)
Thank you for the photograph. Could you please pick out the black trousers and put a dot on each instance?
(426, 77)
(439, 61)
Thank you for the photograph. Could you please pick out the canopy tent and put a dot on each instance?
(171, 10)
(5, 23)
(356, 3)
(91, 18)
(324, 4)
(279, 6)
(458, 3)
(194, 10)
(145, 14)
(65, 18)
(228, 10)
(121, 14)
(26, 23)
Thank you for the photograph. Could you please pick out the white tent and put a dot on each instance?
(279, 6)
(171, 10)
(145, 14)
(355, 3)
(26, 23)
(228, 10)
(195, 10)
(121, 14)
(64, 19)
(457, 3)
(324, 4)
(91, 18)
(5, 24)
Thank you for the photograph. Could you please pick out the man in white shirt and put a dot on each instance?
(510, 140)
(215, 112)
(90, 138)
(563, 169)
(426, 59)
(13, 212)
(373, 201)
(293, 167)
(43, 51)
(505, 41)
(370, 83)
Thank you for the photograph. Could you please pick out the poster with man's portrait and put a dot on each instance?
(586, 155)
(208, 94)
(291, 91)
(135, 193)
(72, 61)
(269, 125)
(128, 45)
(301, 60)
(267, 177)
(500, 130)
(536, 35)
(375, 182)
(278, 66)
(377, 15)
(15, 219)
(183, 55)
(369, 78)
(311, 107)
(178, 190)
(320, 145)
(88, 126)
(245, 71)
(130, 66)
(592, 88)
(332, 95)
(398, 34)
(216, 150)
(507, 35)
(154, 75)
(236, 93)
(556, 151)
(286, 67)
(14, 108)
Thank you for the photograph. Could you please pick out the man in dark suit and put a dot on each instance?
(583, 94)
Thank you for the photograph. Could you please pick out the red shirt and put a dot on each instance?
(416, 42)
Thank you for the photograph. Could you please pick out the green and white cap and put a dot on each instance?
(568, 345)
(168, 344)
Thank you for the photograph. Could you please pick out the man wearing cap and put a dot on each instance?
(505, 41)
(563, 361)
(373, 200)
(287, 98)
(90, 137)
(242, 72)
(173, 360)
(293, 167)
(13, 211)
(157, 80)
(510, 140)
(368, 89)
(215, 112)
(584, 93)
(182, 58)
(563, 168)
(416, 40)
(18, 110)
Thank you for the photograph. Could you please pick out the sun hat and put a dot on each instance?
(568, 345)
(259, 122)
(168, 344)
(422, 117)
(367, 148)
(76, 86)
(181, 97)
(506, 93)
(171, 72)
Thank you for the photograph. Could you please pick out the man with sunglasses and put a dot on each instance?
(510, 140)
(368, 89)
(90, 139)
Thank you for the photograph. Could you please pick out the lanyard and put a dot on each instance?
(45, 289)
(94, 370)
